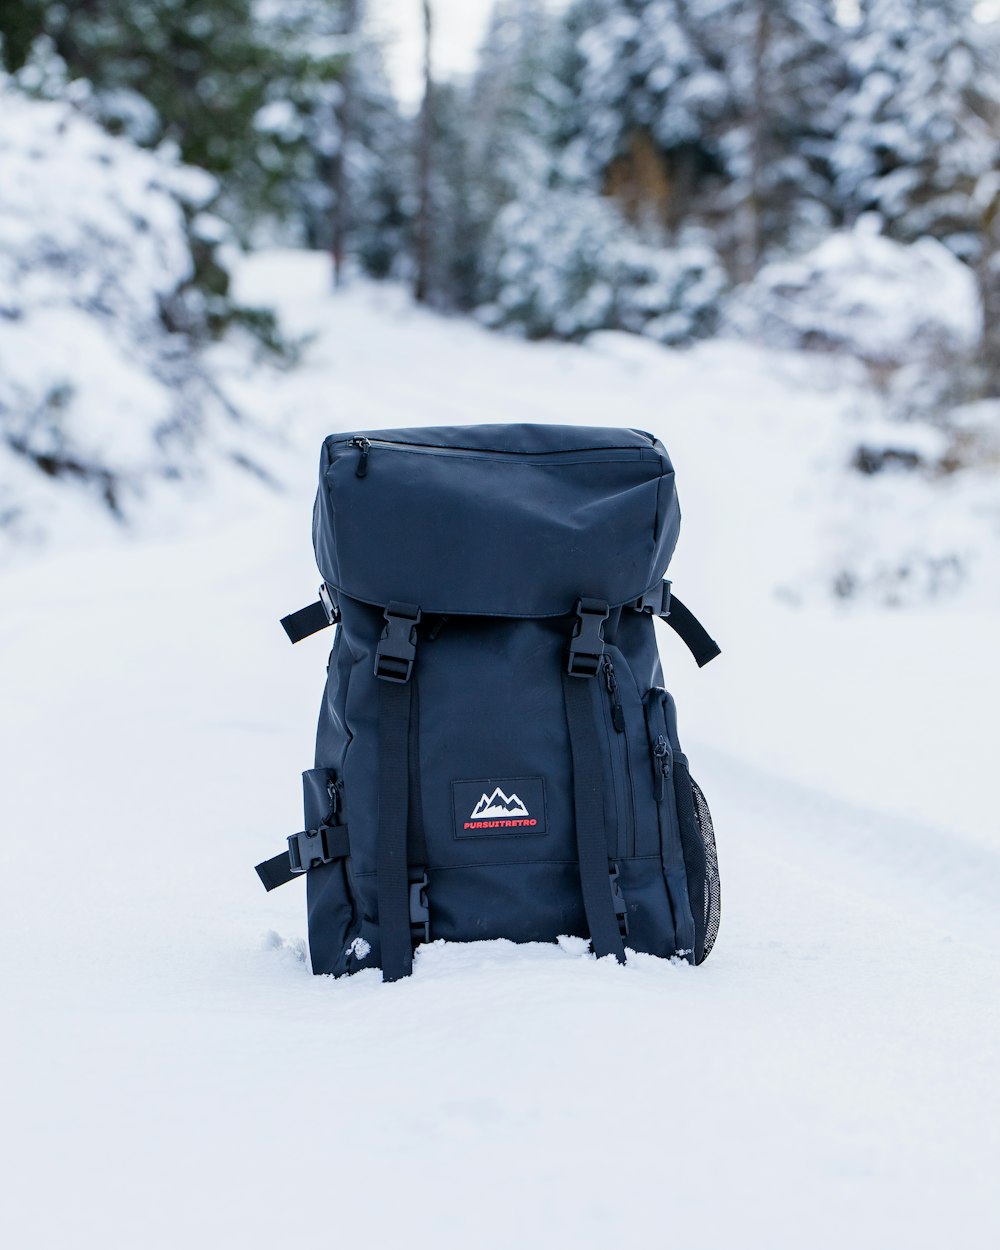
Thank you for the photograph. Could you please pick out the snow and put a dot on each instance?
(860, 293)
(828, 1078)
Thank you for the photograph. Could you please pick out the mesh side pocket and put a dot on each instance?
(713, 902)
(700, 860)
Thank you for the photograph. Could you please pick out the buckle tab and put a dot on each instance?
(420, 913)
(329, 607)
(586, 647)
(655, 601)
(308, 848)
(618, 898)
(397, 649)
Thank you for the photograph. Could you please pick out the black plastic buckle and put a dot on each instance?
(397, 649)
(308, 848)
(329, 607)
(618, 898)
(656, 601)
(586, 647)
(420, 913)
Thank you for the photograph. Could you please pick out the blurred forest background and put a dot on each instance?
(811, 175)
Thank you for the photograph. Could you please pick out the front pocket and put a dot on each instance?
(622, 789)
(664, 754)
(328, 893)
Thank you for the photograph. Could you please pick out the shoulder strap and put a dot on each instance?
(662, 602)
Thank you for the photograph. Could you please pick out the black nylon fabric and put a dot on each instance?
(509, 520)
(393, 812)
(588, 811)
(483, 788)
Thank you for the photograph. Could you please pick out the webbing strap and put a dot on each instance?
(692, 633)
(312, 846)
(305, 622)
(662, 602)
(588, 803)
(310, 620)
(391, 876)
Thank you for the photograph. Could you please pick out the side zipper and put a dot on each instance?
(620, 756)
(663, 759)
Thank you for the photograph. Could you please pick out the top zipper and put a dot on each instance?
(365, 445)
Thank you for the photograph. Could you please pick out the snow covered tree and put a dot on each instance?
(103, 383)
(920, 141)
(564, 263)
(251, 90)
(717, 113)
(159, 69)
(785, 66)
(331, 132)
(514, 102)
(920, 120)
(493, 144)
(653, 96)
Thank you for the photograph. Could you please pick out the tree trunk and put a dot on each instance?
(339, 180)
(988, 278)
(753, 240)
(425, 140)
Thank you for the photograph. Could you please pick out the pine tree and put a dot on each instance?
(717, 113)
(652, 98)
(333, 132)
(920, 118)
(512, 113)
(785, 67)
(200, 67)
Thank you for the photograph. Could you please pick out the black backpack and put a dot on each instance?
(496, 754)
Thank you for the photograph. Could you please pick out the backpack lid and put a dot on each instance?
(495, 520)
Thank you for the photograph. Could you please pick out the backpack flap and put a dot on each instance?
(503, 520)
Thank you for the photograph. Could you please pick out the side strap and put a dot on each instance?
(597, 883)
(306, 849)
(662, 602)
(310, 620)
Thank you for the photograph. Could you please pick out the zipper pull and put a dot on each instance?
(611, 681)
(662, 760)
(364, 446)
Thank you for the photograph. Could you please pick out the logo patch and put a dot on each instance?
(499, 806)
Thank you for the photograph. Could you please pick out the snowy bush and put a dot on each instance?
(101, 383)
(565, 265)
(864, 295)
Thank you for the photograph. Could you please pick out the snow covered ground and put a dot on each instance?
(175, 1076)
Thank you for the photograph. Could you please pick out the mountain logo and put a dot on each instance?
(493, 807)
(498, 805)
